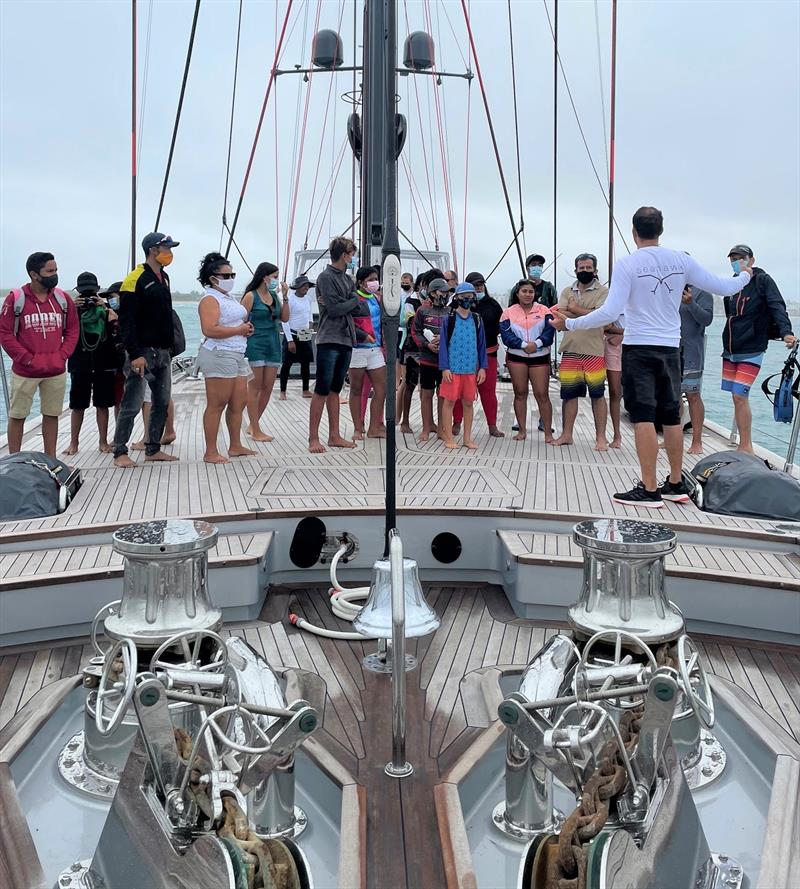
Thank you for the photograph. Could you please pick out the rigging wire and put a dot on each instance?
(321, 152)
(516, 122)
(324, 253)
(271, 80)
(494, 137)
(505, 253)
(300, 156)
(600, 82)
(466, 176)
(612, 128)
(178, 113)
(412, 185)
(276, 140)
(329, 189)
(555, 148)
(580, 128)
(232, 241)
(145, 79)
(431, 193)
(230, 130)
(443, 155)
(415, 248)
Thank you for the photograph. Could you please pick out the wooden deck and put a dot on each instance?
(478, 629)
(527, 476)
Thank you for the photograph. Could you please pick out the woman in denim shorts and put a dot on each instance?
(223, 320)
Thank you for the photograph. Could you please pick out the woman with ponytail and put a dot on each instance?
(266, 311)
(220, 359)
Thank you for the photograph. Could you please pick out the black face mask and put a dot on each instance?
(405, 287)
(48, 281)
(585, 277)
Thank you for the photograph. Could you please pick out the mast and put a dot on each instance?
(612, 124)
(133, 132)
(555, 144)
(379, 235)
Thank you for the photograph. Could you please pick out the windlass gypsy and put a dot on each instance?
(189, 732)
(620, 713)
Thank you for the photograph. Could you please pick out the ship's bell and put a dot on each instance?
(375, 618)
(623, 580)
(165, 581)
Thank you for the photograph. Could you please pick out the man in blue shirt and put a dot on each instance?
(463, 362)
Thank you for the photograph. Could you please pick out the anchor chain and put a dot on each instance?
(258, 863)
(566, 862)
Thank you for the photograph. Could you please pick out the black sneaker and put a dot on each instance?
(639, 496)
(678, 493)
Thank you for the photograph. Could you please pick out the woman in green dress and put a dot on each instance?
(266, 310)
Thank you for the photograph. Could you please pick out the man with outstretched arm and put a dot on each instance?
(646, 287)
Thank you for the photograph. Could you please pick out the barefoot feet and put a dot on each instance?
(561, 441)
(161, 457)
(215, 458)
(616, 443)
(124, 462)
(338, 442)
(695, 449)
(496, 433)
(73, 448)
(241, 452)
(315, 446)
(470, 444)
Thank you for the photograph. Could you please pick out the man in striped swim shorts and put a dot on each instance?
(582, 367)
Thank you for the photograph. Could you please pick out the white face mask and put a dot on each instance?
(225, 284)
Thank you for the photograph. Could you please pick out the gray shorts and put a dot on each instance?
(222, 363)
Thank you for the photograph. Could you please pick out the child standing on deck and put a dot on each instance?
(463, 362)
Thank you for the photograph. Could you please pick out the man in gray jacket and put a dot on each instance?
(336, 336)
(697, 312)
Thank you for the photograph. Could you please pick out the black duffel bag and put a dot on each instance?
(740, 484)
(33, 485)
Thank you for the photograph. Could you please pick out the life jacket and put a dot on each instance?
(19, 306)
(788, 389)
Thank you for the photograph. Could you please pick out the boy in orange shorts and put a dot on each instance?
(463, 362)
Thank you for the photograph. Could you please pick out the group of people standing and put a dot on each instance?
(644, 336)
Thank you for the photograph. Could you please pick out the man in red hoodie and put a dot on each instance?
(39, 331)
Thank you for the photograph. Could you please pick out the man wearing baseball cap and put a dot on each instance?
(148, 334)
(297, 335)
(756, 315)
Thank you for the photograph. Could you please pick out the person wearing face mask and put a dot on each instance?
(94, 364)
(646, 288)
(367, 359)
(489, 311)
(582, 365)
(462, 361)
(544, 291)
(111, 296)
(266, 311)
(221, 357)
(409, 352)
(39, 331)
(425, 329)
(297, 335)
(147, 331)
(754, 316)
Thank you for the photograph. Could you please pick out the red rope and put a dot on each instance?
(492, 133)
(271, 80)
(466, 177)
(300, 158)
(422, 143)
(443, 154)
(332, 80)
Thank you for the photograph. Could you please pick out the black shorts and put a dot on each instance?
(429, 377)
(95, 386)
(333, 361)
(411, 366)
(651, 384)
(528, 360)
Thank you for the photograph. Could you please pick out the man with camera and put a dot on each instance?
(94, 364)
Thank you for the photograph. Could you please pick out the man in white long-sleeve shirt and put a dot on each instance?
(646, 287)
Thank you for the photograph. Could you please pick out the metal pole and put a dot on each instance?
(788, 466)
(398, 767)
(133, 133)
(6, 398)
(612, 129)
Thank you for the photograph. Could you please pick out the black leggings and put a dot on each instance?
(304, 354)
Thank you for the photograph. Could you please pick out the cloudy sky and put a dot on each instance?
(708, 129)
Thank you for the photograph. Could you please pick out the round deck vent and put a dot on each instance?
(307, 543)
(446, 547)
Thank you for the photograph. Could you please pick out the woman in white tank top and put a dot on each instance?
(220, 359)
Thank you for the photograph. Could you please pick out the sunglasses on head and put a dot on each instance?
(225, 275)
(590, 256)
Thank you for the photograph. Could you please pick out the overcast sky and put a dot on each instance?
(708, 129)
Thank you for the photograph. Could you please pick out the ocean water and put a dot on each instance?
(766, 432)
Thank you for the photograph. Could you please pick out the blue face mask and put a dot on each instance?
(273, 285)
(736, 265)
(113, 303)
(353, 264)
(480, 294)
(535, 271)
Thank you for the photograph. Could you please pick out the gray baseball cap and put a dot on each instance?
(740, 250)
(439, 284)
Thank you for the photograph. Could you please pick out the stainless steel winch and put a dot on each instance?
(619, 712)
(190, 733)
